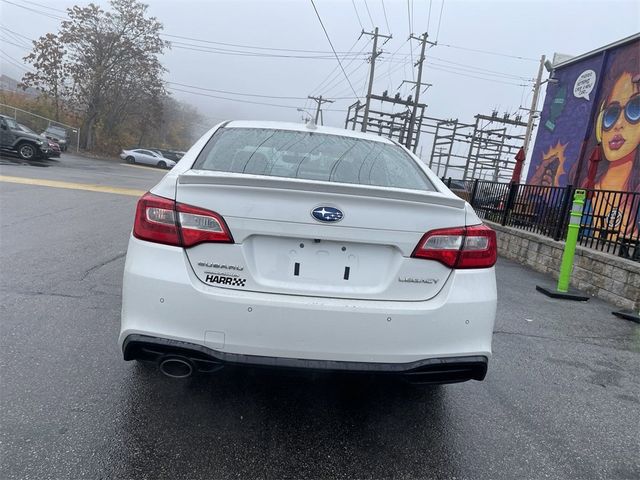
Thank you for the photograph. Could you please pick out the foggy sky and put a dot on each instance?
(520, 28)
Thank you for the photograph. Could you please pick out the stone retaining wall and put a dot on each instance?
(603, 275)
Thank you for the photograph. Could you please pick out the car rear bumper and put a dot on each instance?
(206, 360)
(163, 299)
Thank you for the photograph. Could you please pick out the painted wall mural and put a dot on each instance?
(616, 125)
(564, 121)
(589, 136)
(594, 104)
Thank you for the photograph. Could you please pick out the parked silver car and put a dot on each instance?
(149, 157)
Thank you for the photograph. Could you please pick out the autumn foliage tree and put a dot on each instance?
(105, 65)
(50, 75)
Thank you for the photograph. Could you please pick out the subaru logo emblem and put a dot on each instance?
(327, 214)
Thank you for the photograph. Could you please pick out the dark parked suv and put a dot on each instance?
(27, 145)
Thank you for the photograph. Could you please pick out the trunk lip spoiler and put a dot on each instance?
(205, 177)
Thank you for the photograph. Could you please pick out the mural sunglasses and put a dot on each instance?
(611, 114)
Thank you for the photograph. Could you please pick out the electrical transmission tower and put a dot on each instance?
(492, 150)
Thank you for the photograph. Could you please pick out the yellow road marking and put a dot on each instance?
(72, 186)
(143, 167)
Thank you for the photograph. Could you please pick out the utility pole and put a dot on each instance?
(534, 107)
(319, 100)
(374, 54)
(423, 40)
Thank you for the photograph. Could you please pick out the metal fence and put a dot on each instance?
(39, 123)
(610, 219)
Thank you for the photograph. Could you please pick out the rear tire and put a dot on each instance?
(130, 159)
(162, 164)
(27, 151)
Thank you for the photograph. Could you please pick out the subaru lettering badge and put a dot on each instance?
(327, 214)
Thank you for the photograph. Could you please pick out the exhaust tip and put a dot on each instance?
(176, 367)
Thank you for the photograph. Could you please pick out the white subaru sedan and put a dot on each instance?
(284, 245)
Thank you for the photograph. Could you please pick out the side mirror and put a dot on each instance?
(3, 126)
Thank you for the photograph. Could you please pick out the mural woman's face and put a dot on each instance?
(620, 123)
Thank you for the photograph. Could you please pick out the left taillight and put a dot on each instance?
(460, 247)
(161, 220)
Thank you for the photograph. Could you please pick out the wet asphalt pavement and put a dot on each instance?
(561, 399)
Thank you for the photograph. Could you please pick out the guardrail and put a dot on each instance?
(610, 219)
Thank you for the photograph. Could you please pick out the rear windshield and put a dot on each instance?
(11, 123)
(311, 156)
(57, 130)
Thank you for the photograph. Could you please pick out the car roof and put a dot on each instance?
(300, 127)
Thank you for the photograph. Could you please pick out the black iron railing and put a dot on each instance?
(610, 219)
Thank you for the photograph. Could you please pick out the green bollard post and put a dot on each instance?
(566, 265)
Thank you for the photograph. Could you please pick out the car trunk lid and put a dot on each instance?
(281, 248)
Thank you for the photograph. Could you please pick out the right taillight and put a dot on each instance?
(161, 220)
(459, 247)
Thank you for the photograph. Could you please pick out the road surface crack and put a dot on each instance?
(102, 264)
(44, 294)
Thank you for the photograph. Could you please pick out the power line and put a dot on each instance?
(473, 68)
(227, 92)
(233, 99)
(369, 13)
(357, 14)
(17, 65)
(14, 61)
(255, 47)
(50, 15)
(338, 79)
(453, 72)
(322, 51)
(488, 52)
(439, 21)
(201, 88)
(413, 16)
(246, 101)
(16, 36)
(5, 38)
(386, 20)
(390, 59)
(361, 79)
(330, 78)
(429, 17)
(413, 74)
(240, 53)
(461, 68)
(332, 48)
(223, 51)
(45, 6)
(14, 44)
